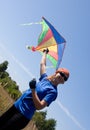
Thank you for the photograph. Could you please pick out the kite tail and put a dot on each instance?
(29, 24)
(47, 67)
(31, 48)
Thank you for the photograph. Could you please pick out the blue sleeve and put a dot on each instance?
(42, 76)
(50, 97)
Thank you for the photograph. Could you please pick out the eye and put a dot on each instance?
(64, 76)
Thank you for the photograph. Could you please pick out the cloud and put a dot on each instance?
(22, 66)
(15, 60)
(69, 114)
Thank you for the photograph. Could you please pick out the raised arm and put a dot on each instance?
(39, 104)
(43, 62)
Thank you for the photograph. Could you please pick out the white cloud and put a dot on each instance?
(15, 60)
(69, 114)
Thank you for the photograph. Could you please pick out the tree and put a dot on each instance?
(50, 124)
(6, 81)
(3, 66)
(42, 123)
(3, 74)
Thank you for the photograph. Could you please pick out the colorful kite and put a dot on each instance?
(51, 39)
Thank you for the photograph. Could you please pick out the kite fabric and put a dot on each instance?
(51, 39)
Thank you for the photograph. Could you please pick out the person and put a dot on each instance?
(38, 96)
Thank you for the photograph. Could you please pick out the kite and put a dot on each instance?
(51, 39)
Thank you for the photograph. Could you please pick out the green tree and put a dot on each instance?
(42, 123)
(50, 124)
(3, 66)
(6, 81)
(3, 75)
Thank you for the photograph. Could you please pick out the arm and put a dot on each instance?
(43, 62)
(38, 104)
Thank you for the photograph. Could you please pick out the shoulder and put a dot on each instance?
(44, 75)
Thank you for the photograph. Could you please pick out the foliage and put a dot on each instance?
(42, 123)
(11, 87)
(3, 66)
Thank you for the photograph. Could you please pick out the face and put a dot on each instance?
(59, 79)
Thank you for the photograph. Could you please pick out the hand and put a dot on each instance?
(46, 50)
(32, 84)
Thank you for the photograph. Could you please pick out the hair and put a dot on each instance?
(64, 70)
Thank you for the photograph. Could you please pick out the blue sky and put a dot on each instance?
(71, 18)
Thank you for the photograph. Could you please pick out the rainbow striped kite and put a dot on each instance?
(51, 39)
